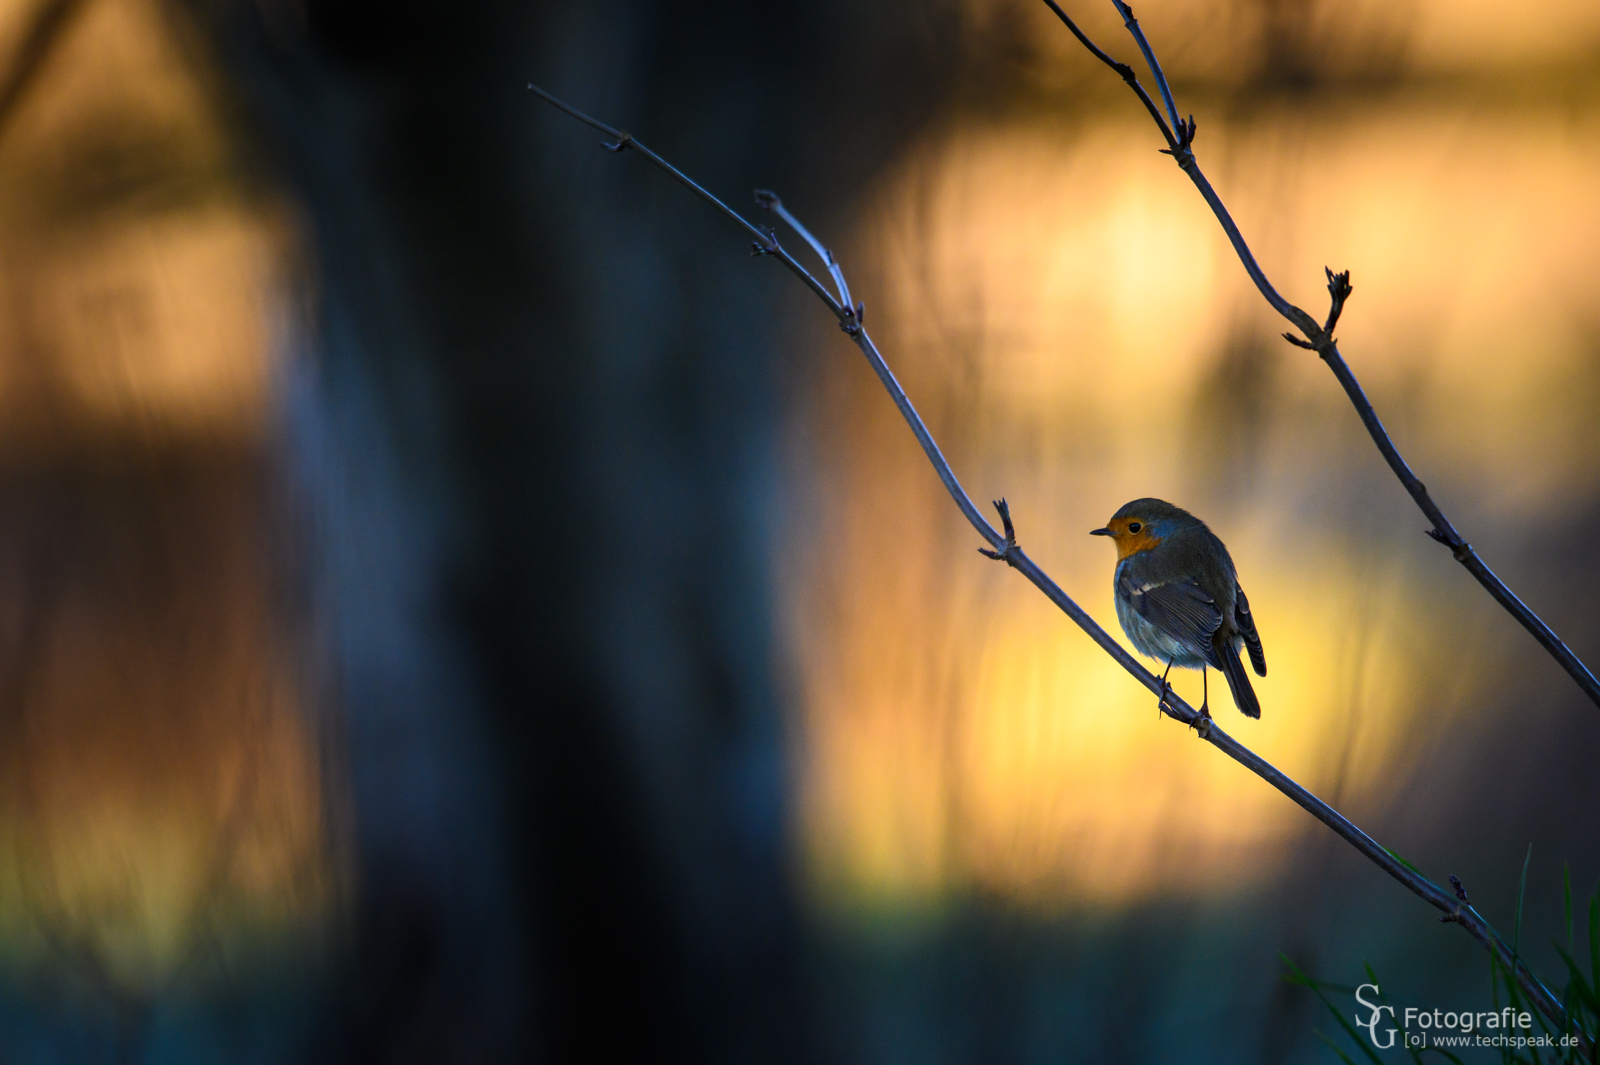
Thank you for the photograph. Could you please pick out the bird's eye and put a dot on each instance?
(1134, 526)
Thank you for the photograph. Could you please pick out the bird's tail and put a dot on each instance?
(1244, 696)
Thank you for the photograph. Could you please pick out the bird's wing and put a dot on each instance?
(1246, 624)
(1181, 609)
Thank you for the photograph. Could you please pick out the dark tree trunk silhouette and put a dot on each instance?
(542, 507)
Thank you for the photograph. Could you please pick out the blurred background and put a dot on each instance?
(456, 606)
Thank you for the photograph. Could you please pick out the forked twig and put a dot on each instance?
(1319, 338)
(1004, 547)
(764, 242)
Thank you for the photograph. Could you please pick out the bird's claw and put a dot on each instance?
(1161, 700)
(1202, 723)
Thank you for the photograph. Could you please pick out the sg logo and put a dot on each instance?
(1371, 1023)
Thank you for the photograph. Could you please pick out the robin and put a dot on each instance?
(1179, 599)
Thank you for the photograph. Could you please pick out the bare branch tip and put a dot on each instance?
(1339, 289)
(1297, 342)
(850, 319)
(768, 200)
(1011, 535)
(1339, 285)
(1461, 892)
(1184, 141)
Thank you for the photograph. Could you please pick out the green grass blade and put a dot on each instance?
(1522, 890)
(1566, 895)
(1586, 994)
(1403, 862)
(1297, 977)
(1594, 940)
(1570, 1004)
(1349, 1029)
(1517, 1005)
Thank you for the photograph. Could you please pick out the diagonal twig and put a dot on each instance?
(1150, 59)
(1004, 547)
(765, 243)
(1125, 71)
(770, 201)
(1319, 338)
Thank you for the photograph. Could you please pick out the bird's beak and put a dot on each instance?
(1100, 532)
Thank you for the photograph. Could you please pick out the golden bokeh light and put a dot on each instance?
(163, 810)
(1228, 41)
(144, 276)
(1063, 308)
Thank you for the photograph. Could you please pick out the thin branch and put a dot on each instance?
(925, 438)
(1319, 338)
(1004, 547)
(770, 201)
(1124, 70)
(1150, 59)
(765, 243)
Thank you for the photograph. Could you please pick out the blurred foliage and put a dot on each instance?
(1514, 1043)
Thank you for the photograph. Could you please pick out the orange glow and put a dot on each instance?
(161, 793)
(1062, 308)
(144, 280)
(1221, 42)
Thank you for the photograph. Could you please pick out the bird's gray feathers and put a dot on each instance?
(1246, 626)
(1181, 610)
(1152, 509)
(1244, 696)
